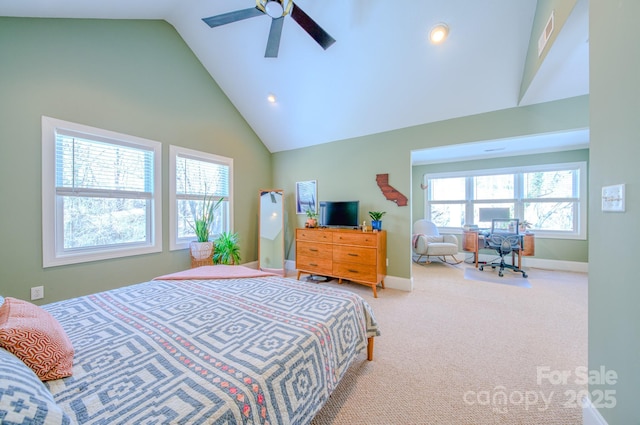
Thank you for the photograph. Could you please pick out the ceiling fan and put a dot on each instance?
(277, 10)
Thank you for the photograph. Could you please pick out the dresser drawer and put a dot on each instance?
(313, 249)
(344, 254)
(313, 235)
(355, 271)
(314, 265)
(354, 254)
(356, 238)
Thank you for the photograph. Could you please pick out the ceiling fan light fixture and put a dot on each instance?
(274, 9)
(439, 33)
(271, 98)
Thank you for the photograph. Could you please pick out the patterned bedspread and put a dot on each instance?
(256, 350)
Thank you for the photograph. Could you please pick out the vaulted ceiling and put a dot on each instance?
(381, 74)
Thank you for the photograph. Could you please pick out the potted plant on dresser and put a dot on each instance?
(312, 219)
(202, 249)
(376, 219)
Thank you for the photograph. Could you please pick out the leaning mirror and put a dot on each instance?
(271, 231)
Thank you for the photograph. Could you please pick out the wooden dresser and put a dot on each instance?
(353, 255)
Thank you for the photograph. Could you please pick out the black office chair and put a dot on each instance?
(504, 238)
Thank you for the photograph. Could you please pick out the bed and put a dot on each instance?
(196, 347)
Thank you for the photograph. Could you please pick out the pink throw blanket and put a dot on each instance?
(416, 236)
(219, 271)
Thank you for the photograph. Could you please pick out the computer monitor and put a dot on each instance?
(488, 214)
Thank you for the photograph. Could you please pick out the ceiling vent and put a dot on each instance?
(546, 34)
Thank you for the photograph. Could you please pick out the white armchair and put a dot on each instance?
(428, 242)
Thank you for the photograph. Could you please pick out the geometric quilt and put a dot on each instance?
(250, 350)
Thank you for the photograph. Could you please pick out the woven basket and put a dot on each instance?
(201, 254)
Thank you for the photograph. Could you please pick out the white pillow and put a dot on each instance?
(23, 396)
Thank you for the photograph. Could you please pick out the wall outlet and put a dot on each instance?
(37, 293)
(387, 262)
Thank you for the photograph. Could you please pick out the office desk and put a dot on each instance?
(473, 242)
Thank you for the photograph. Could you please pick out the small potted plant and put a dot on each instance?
(227, 250)
(202, 221)
(312, 218)
(376, 219)
(524, 226)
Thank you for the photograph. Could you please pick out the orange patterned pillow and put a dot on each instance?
(35, 337)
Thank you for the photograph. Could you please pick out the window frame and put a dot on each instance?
(580, 220)
(175, 243)
(52, 225)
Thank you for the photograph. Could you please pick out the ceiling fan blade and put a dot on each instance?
(227, 18)
(311, 27)
(273, 43)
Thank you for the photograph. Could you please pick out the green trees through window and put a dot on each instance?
(101, 194)
(550, 198)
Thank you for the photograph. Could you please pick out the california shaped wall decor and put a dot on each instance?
(389, 191)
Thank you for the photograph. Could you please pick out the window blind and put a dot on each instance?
(198, 177)
(84, 165)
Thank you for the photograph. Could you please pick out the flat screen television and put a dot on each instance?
(339, 213)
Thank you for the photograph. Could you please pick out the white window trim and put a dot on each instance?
(580, 234)
(50, 229)
(175, 151)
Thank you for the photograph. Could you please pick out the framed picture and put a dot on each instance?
(613, 198)
(306, 197)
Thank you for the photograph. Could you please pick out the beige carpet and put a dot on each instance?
(509, 277)
(452, 349)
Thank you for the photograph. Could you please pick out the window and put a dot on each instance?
(552, 198)
(100, 194)
(192, 175)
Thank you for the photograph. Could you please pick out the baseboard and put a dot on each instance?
(289, 265)
(401, 283)
(251, 264)
(404, 284)
(591, 415)
(540, 263)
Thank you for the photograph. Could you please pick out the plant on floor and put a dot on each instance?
(203, 219)
(227, 250)
(202, 249)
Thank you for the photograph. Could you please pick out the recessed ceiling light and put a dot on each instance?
(271, 98)
(439, 33)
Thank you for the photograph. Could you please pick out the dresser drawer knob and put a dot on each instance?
(353, 271)
(352, 254)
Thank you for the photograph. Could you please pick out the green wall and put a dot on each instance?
(132, 77)
(138, 77)
(347, 169)
(614, 291)
(561, 11)
(552, 249)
